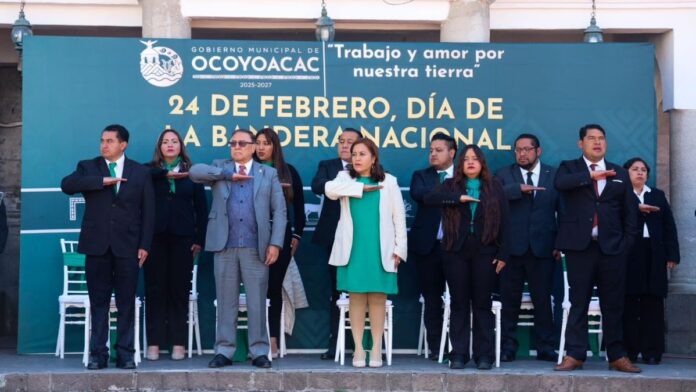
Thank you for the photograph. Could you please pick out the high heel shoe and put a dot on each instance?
(375, 358)
(359, 360)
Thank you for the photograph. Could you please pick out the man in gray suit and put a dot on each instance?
(246, 229)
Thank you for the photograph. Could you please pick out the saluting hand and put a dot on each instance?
(602, 174)
(647, 208)
(240, 177)
(372, 188)
(467, 198)
(176, 175)
(113, 180)
(531, 188)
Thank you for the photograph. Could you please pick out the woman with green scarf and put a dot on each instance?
(180, 223)
(475, 224)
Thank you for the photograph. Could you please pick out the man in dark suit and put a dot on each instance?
(328, 220)
(426, 234)
(528, 186)
(116, 236)
(597, 226)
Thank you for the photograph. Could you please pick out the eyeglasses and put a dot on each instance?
(241, 143)
(525, 150)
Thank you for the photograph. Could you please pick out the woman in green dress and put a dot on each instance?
(370, 243)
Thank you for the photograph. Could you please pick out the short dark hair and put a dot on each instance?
(585, 128)
(248, 132)
(121, 132)
(533, 138)
(451, 143)
(360, 135)
(631, 161)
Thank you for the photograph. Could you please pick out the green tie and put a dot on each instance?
(112, 172)
(442, 175)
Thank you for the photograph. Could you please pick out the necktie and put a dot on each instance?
(530, 182)
(595, 219)
(112, 172)
(442, 175)
(242, 170)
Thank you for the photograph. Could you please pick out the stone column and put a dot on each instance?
(681, 313)
(163, 19)
(467, 21)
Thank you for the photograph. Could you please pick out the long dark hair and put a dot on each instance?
(376, 171)
(490, 202)
(277, 159)
(158, 158)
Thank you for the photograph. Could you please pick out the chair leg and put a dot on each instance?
(561, 346)
(390, 341)
(340, 339)
(281, 338)
(497, 338)
(137, 357)
(197, 328)
(85, 350)
(445, 333)
(190, 329)
(144, 323)
(60, 341)
(421, 334)
(268, 334)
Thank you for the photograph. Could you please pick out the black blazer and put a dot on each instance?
(296, 211)
(616, 209)
(664, 243)
(183, 213)
(122, 222)
(444, 198)
(423, 234)
(3, 224)
(328, 219)
(533, 219)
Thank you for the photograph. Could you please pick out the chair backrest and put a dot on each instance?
(74, 277)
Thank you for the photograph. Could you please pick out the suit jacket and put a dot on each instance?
(444, 198)
(423, 235)
(122, 222)
(182, 213)
(616, 208)
(664, 245)
(330, 211)
(392, 220)
(533, 219)
(269, 203)
(3, 223)
(298, 216)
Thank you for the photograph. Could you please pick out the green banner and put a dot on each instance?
(398, 94)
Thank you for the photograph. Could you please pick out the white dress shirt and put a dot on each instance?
(536, 172)
(450, 174)
(601, 165)
(118, 169)
(641, 197)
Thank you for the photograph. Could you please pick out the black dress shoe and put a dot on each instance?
(457, 361)
(484, 364)
(549, 356)
(261, 362)
(328, 355)
(125, 364)
(219, 361)
(435, 357)
(507, 356)
(96, 363)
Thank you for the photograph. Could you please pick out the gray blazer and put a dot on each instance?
(269, 203)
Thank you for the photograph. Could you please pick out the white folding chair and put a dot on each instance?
(344, 324)
(113, 318)
(73, 303)
(496, 308)
(594, 313)
(193, 324)
(423, 331)
(243, 320)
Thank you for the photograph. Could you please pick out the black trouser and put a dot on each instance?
(644, 312)
(167, 287)
(585, 268)
(470, 277)
(431, 277)
(538, 273)
(107, 274)
(276, 275)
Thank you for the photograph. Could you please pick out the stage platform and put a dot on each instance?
(304, 372)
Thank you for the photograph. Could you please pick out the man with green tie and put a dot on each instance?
(115, 237)
(426, 233)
